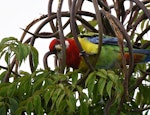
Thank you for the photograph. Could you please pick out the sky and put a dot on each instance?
(16, 14)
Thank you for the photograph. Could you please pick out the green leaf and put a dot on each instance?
(3, 90)
(109, 88)
(80, 27)
(145, 96)
(20, 110)
(142, 24)
(71, 103)
(90, 82)
(1, 98)
(12, 88)
(2, 75)
(22, 52)
(38, 84)
(59, 100)
(62, 107)
(74, 76)
(48, 95)
(35, 57)
(3, 110)
(102, 73)
(2, 103)
(119, 89)
(7, 58)
(9, 39)
(29, 107)
(2, 52)
(3, 48)
(23, 73)
(93, 23)
(112, 76)
(101, 85)
(51, 113)
(91, 78)
(13, 105)
(84, 108)
(37, 104)
(55, 96)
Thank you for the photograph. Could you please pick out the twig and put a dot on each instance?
(30, 25)
(138, 21)
(139, 37)
(11, 71)
(141, 5)
(108, 105)
(140, 109)
(7, 75)
(139, 81)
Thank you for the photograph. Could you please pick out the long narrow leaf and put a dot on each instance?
(35, 56)
(101, 85)
(109, 88)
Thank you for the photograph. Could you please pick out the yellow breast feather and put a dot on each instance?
(89, 47)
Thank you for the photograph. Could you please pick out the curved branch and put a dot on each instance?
(45, 59)
(108, 105)
(141, 5)
(30, 25)
(49, 15)
(100, 29)
(7, 75)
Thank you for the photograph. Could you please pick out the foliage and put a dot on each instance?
(71, 92)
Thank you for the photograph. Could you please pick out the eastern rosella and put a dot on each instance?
(110, 56)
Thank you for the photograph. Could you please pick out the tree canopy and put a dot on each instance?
(66, 91)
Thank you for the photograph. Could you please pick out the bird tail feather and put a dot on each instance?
(142, 54)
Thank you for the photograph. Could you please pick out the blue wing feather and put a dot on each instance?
(144, 52)
(110, 40)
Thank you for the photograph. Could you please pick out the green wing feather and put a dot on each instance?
(108, 58)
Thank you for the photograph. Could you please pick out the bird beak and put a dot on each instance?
(58, 47)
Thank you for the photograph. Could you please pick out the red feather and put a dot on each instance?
(72, 54)
(137, 57)
(53, 43)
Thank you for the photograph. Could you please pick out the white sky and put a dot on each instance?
(16, 14)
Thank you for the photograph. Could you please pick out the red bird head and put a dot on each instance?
(72, 52)
(53, 46)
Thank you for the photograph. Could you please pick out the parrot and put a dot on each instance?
(110, 55)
